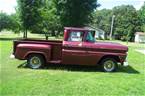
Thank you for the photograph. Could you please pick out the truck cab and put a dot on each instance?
(78, 47)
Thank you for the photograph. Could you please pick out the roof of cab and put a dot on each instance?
(77, 28)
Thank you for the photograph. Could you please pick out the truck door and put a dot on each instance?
(73, 51)
(89, 44)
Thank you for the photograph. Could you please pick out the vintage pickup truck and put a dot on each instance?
(78, 47)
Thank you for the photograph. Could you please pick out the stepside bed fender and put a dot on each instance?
(23, 50)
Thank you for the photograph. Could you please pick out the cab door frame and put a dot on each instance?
(73, 52)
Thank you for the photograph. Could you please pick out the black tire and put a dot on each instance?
(35, 61)
(109, 65)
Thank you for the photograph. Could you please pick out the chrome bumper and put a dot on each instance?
(125, 64)
(12, 56)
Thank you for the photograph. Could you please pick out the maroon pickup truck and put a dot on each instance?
(78, 47)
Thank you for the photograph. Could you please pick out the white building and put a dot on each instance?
(100, 34)
(140, 37)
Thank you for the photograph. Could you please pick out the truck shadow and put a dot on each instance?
(129, 69)
(82, 68)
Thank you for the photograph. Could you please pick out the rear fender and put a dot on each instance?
(23, 50)
(35, 52)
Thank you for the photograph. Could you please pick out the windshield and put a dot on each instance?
(90, 37)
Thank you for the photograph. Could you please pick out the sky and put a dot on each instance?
(109, 4)
(8, 6)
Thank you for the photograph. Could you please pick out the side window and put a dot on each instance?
(75, 36)
(90, 37)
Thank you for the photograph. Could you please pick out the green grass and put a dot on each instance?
(8, 35)
(70, 80)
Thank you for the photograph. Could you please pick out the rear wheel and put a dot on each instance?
(109, 65)
(35, 61)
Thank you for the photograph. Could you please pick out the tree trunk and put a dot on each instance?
(25, 34)
(52, 33)
(46, 37)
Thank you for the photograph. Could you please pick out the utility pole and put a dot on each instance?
(112, 27)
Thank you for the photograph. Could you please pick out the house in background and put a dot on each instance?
(100, 34)
(140, 37)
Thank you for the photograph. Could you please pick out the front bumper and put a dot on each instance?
(125, 64)
(12, 56)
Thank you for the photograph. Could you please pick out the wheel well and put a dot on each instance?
(109, 56)
(35, 54)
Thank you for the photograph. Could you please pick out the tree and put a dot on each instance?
(29, 14)
(50, 20)
(76, 13)
(38, 16)
(126, 22)
(15, 23)
(9, 22)
(102, 20)
(4, 21)
(142, 16)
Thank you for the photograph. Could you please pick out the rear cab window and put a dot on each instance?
(75, 36)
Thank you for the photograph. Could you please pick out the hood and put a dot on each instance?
(110, 46)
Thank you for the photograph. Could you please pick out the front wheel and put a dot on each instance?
(109, 65)
(35, 61)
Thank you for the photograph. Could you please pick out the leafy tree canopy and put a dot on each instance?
(75, 12)
(102, 20)
(4, 21)
(9, 22)
(126, 21)
(142, 16)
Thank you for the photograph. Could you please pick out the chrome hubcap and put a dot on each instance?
(35, 62)
(109, 65)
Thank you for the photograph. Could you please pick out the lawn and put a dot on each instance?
(16, 80)
(9, 35)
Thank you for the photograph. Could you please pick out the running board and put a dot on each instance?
(55, 61)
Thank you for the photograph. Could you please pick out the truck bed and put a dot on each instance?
(56, 46)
